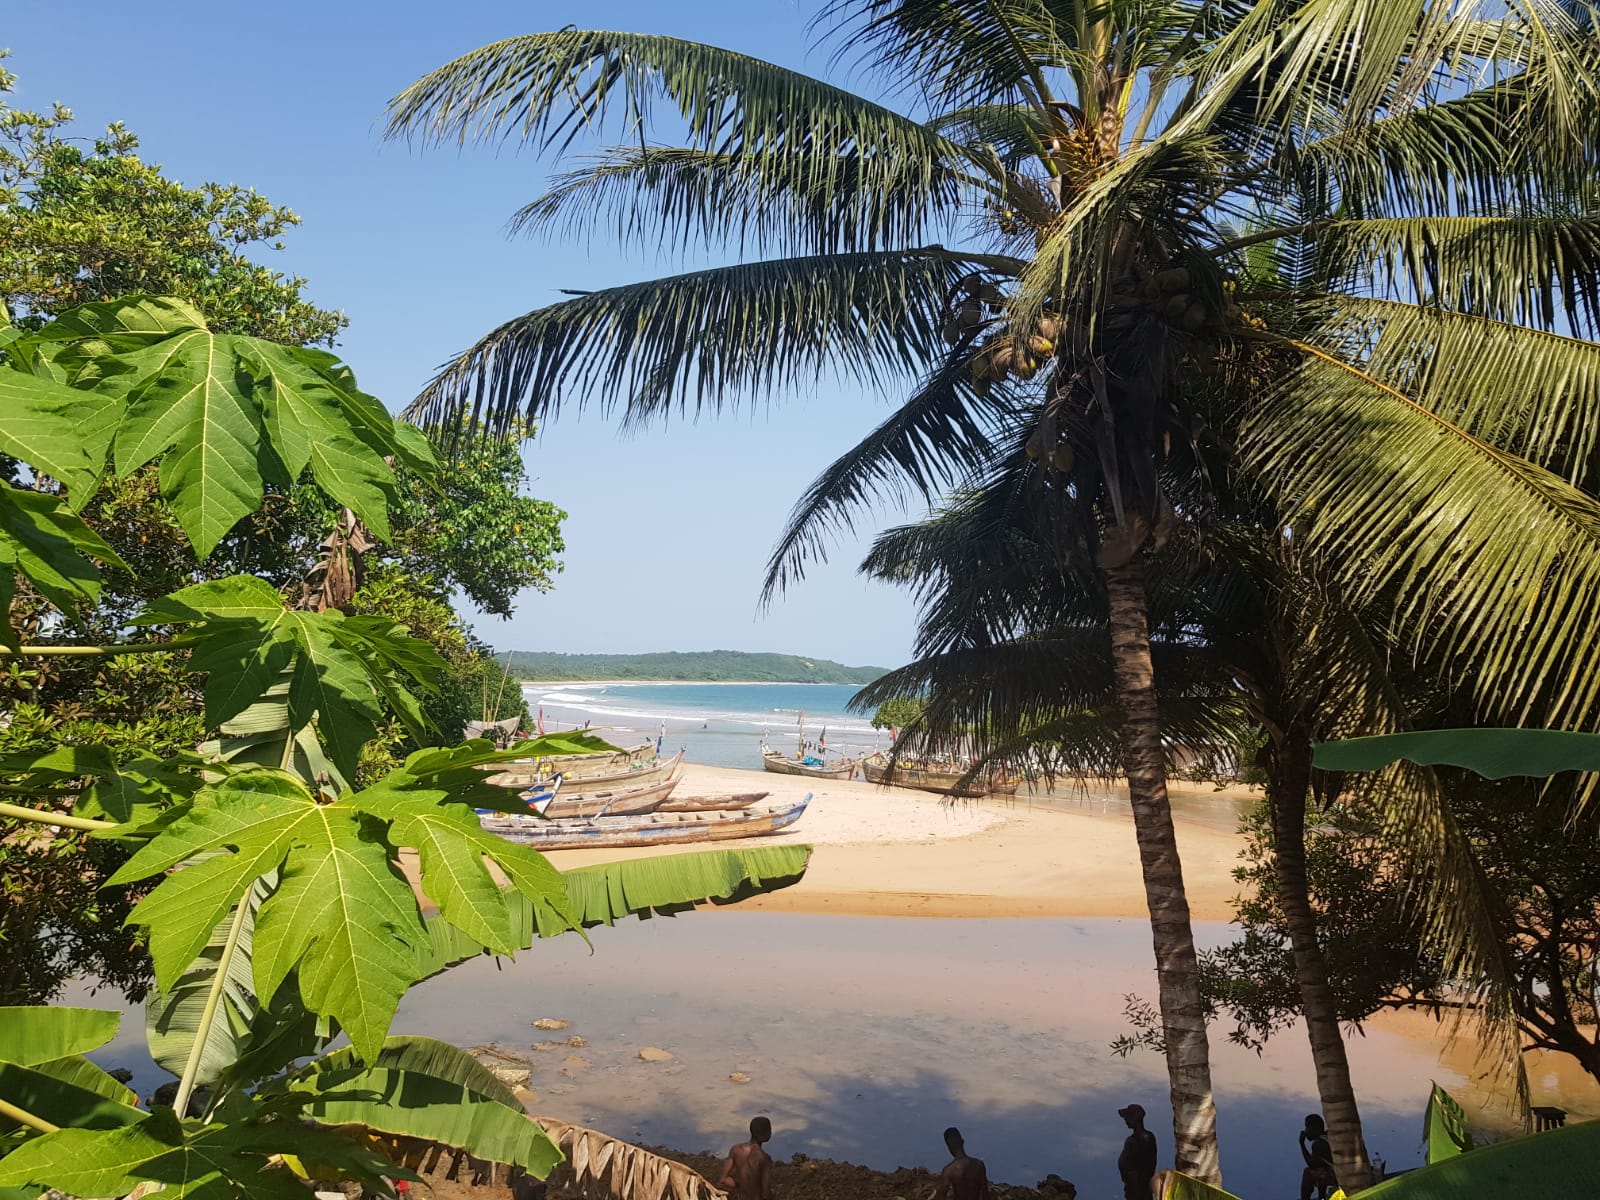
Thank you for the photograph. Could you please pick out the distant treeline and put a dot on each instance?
(694, 666)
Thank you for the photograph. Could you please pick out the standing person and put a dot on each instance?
(747, 1175)
(964, 1177)
(1137, 1162)
(1314, 1148)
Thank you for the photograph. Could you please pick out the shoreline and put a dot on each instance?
(894, 851)
(557, 683)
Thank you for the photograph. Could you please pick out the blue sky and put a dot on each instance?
(670, 528)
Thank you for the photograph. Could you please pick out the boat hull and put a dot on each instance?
(645, 772)
(613, 802)
(711, 803)
(784, 765)
(654, 829)
(944, 783)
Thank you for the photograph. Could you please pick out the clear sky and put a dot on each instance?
(669, 529)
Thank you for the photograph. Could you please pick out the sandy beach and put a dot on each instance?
(899, 852)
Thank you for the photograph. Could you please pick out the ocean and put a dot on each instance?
(717, 724)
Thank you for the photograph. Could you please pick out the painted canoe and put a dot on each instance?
(711, 803)
(613, 802)
(784, 765)
(946, 781)
(653, 829)
(641, 773)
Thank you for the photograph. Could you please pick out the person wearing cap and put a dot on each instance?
(1137, 1162)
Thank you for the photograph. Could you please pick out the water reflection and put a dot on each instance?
(863, 1038)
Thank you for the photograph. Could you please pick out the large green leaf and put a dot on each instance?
(418, 1087)
(213, 1162)
(1175, 1185)
(32, 1034)
(42, 428)
(644, 887)
(1562, 1162)
(1444, 1128)
(71, 1092)
(341, 669)
(42, 540)
(1494, 753)
(224, 414)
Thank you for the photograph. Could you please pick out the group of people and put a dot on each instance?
(747, 1173)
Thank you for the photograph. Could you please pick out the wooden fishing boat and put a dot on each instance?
(616, 802)
(638, 775)
(1003, 786)
(941, 778)
(574, 765)
(652, 829)
(711, 803)
(784, 765)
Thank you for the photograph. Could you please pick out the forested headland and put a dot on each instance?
(693, 666)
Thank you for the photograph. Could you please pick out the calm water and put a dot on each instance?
(864, 1037)
(719, 724)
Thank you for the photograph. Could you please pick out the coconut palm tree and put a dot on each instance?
(1011, 655)
(1049, 233)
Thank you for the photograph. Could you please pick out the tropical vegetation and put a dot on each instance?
(1127, 268)
(266, 859)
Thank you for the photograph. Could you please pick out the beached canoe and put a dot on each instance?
(643, 772)
(784, 765)
(945, 780)
(610, 761)
(653, 829)
(615, 802)
(711, 803)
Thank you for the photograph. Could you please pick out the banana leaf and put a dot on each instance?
(1444, 1129)
(643, 887)
(37, 1033)
(423, 1088)
(1562, 1162)
(172, 1018)
(599, 1164)
(1493, 753)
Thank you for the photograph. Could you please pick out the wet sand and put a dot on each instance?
(899, 852)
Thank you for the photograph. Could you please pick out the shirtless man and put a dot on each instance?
(964, 1178)
(747, 1175)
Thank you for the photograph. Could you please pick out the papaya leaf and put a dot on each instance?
(418, 1087)
(33, 1034)
(213, 1162)
(1493, 753)
(342, 915)
(43, 429)
(224, 414)
(42, 540)
(244, 638)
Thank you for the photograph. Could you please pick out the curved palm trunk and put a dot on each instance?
(1194, 1114)
(1287, 786)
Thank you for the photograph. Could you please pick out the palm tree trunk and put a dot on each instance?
(1287, 786)
(1194, 1114)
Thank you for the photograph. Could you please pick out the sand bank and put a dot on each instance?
(899, 852)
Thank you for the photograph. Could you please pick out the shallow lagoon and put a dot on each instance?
(864, 1037)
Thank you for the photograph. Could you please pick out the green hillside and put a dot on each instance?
(695, 666)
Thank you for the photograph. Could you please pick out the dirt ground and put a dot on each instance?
(801, 1178)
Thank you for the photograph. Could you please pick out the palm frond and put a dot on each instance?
(1525, 391)
(953, 55)
(1532, 269)
(548, 88)
(1013, 131)
(792, 203)
(944, 430)
(704, 340)
(1493, 563)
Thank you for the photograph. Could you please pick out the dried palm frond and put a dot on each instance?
(600, 1165)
